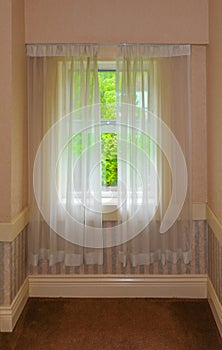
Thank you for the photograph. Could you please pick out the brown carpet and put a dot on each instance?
(109, 324)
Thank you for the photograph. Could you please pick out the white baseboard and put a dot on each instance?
(193, 286)
(9, 315)
(215, 305)
(111, 287)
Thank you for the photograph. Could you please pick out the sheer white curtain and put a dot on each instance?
(152, 79)
(63, 79)
(67, 182)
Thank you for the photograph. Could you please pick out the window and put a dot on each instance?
(109, 135)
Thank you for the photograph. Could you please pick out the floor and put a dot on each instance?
(110, 324)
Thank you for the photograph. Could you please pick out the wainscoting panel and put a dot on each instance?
(112, 265)
(9, 314)
(13, 267)
(215, 268)
(215, 305)
(215, 263)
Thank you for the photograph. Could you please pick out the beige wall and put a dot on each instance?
(13, 135)
(198, 110)
(19, 110)
(5, 110)
(214, 122)
(113, 21)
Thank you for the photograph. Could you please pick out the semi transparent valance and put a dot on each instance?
(83, 50)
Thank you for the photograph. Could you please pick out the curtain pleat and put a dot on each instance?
(153, 79)
(63, 79)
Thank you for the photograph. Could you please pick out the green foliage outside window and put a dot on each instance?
(109, 159)
(107, 88)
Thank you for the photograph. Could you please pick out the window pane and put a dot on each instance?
(109, 159)
(107, 88)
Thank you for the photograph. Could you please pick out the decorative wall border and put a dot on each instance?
(215, 305)
(193, 286)
(9, 231)
(9, 315)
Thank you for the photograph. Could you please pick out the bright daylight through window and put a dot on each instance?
(109, 136)
(107, 89)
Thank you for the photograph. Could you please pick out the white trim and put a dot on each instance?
(10, 230)
(198, 212)
(107, 65)
(215, 305)
(9, 315)
(215, 224)
(183, 286)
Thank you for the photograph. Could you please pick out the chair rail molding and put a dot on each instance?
(10, 230)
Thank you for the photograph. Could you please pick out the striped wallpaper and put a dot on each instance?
(111, 264)
(13, 267)
(13, 263)
(215, 263)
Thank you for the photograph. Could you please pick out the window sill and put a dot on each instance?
(110, 212)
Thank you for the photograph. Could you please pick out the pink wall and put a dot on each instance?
(19, 111)
(199, 119)
(153, 21)
(113, 21)
(150, 21)
(13, 121)
(5, 110)
(214, 122)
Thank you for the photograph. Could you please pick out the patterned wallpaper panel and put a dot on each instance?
(13, 267)
(215, 263)
(13, 263)
(111, 264)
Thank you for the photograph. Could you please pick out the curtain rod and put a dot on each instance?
(123, 44)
